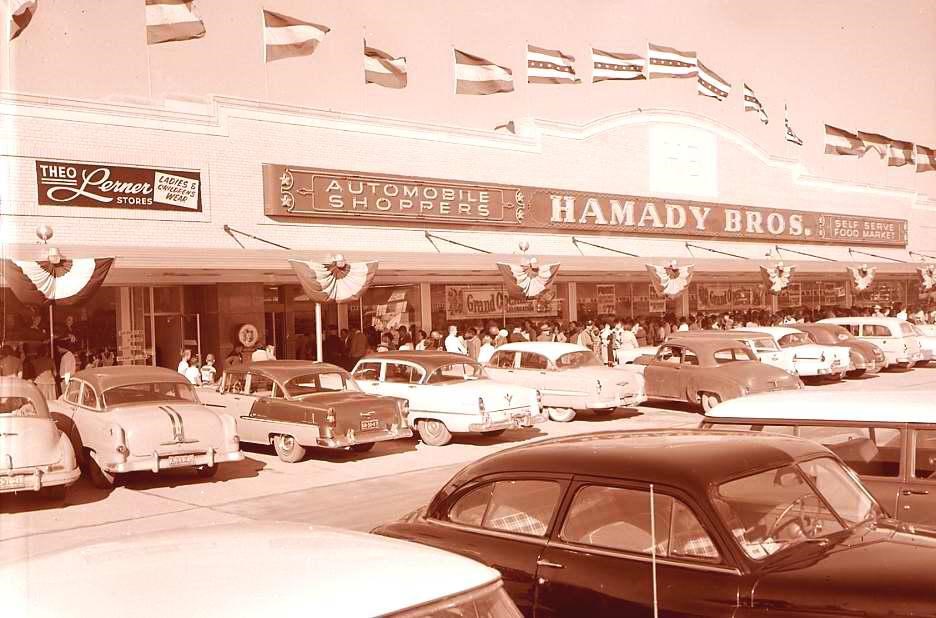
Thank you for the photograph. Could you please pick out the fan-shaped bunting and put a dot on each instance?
(337, 280)
(68, 282)
(777, 277)
(928, 274)
(528, 279)
(672, 280)
(862, 276)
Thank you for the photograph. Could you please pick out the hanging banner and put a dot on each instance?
(341, 196)
(463, 302)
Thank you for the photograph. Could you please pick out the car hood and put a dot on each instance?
(28, 442)
(875, 572)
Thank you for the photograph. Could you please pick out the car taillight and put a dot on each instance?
(481, 408)
(539, 399)
(123, 450)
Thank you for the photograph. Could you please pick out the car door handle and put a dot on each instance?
(547, 563)
(914, 492)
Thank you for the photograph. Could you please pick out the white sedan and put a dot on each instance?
(448, 394)
(927, 336)
(809, 359)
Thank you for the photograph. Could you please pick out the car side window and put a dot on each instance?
(72, 392)
(532, 360)
(502, 359)
(367, 371)
(259, 385)
(520, 507)
(854, 329)
(690, 358)
(396, 372)
(869, 451)
(669, 354)
(924, 456)
(88, 398)
(232, 382)
(876, 330)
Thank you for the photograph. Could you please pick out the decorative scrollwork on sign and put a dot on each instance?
(862, 276)
(777, 277)
(671, 280)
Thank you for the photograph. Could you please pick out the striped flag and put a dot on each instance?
(710, 84)
(549, 66)
(790, 135)
(925, 159)
(899, 153)
(612, 65)
(474, 75)
(669, 62)
(753, 104)
(842, 142)
(172, 20)
(383, 69)
(286, 37)
(874, 141)
(21, 13)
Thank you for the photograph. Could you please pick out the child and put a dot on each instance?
(208, 370)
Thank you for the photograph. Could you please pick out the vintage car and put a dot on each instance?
(927, 344)
(294, 404)
(627, 357)
(705, 371)
(448, 393)
(34, 454)
(294, 569)
(764, 346)
(895, 337)
(887, 437)
(809, 359)
(568, 376)
(679, 523)
(864, 356)
(132, 418)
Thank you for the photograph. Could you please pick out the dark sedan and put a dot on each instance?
(687, 522)
(864, 356)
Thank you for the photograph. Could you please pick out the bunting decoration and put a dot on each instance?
(286, 37)
(67, 282)
(842, 142)
(383, 69)
(21, 13)
(928, 275)
(791, 137)
(925, 159)
(613, 65)
(549, 66)
(899, 153)
(528, 279)
(777, 277)
(862, 276)
(670, 281)
(669, 62)
(710, 84)
(753, 104)
(335, 280)
(875, 142)
(172, 20)
(474, 75)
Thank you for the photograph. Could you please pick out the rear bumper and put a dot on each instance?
(623, 401)
(34, 479)
(352, 438)
(156, 462)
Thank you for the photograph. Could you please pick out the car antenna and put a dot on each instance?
(653, 550)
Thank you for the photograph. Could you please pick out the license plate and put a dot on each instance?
(180, 460)
(370, 425)
(12, 482)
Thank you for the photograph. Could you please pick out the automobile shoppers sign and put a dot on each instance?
(90, 185)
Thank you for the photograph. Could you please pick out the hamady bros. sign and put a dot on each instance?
(412, 202)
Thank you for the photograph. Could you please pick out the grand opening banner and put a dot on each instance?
(320, 194)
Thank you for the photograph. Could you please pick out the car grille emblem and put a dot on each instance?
(508, 397)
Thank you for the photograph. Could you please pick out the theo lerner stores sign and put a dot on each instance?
(407, 201)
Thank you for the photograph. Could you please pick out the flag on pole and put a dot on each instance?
(753, 104)
(899, 153)
(383, 69)
(874, 141)
(549, 66)
(172, 20)
(669, 62)
(21, 13)
(842, 142)
(612, 65)
(790, 135)
(286, 37)
(710, 84)
(474, 75)
(925, 159)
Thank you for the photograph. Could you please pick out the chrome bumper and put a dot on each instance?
(34, 479)
(156, 462)
(352, 438)
(628, 401)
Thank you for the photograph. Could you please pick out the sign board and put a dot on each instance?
(606, 299)
(464, 302)
(91, 185)
(318, 194)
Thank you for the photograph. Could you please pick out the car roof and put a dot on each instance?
(860, 319)
(12, 386)
(430, 360)
(691, 459)
(105, 378)
(906, 406)
(293, 568)
(705, 344)
(724, 334)
(776, 331)
(288, 369)
(550, 349)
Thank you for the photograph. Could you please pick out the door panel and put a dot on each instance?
(917, 499)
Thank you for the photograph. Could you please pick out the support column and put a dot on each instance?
(425, 307)
(573, 302)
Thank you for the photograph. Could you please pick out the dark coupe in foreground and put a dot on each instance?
(744, 524)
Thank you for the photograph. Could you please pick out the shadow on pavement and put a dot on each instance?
(248, 468)
(618, 414)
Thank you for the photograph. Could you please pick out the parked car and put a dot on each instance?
(705, 371)
(34, 454)
(764, 346)
(679, 522)
(927, 344)
(887, 437)
(294, 404)
(627, 357)
(448, 393)
(129, 418)
(568, 376)
(294, 569)
(895, 337)
(809, 359)
(863, 356)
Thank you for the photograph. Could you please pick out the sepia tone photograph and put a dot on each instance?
(467, 309)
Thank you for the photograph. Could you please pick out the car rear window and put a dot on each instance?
(731, 355)
(17, 406)
(150, 392)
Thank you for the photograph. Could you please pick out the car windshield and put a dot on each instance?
(456, 372)
(906, 329)
(571, 360)
(325, 382)
(772, 510)
(488, 602)
(794, 339)
(17, 406)
(763, 344)
(731, 355)
(150, 392)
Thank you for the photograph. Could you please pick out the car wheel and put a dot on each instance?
(493, 433)
(99, 478)
(287, 449)
(561, 415)
(53, 492)
(206, 472)
(922, 363)
(856, 373)
(363, 447)
(433, 432)
(709, 401)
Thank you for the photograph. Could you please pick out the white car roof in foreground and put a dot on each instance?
(776, 331)
(258, 569)
(861, 319)
(905, 406)
(550, 349)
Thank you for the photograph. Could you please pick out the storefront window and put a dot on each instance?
(387, 307)
(886, 293)
(489, 304)
(722, 296)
